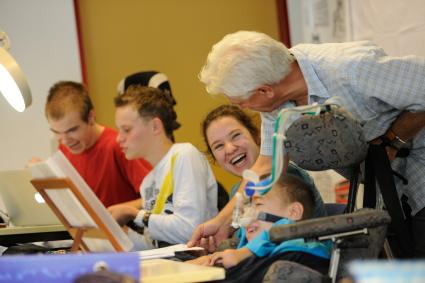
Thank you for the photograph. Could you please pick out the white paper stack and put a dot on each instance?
(166, 251)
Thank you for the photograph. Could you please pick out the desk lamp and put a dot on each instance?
(13, 84)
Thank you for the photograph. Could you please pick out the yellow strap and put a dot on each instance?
(166, 190)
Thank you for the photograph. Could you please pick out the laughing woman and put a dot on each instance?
(233, 141)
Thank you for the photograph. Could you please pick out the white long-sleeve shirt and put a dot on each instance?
(193, 201)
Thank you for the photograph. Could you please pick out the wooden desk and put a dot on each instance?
(163, 270)
(12, 235)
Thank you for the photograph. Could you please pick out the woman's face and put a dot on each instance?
(232, 145)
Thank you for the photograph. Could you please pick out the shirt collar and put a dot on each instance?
(316, 90)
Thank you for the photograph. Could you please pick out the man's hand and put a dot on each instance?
(391, 152)
(208, 235)
(123, 213)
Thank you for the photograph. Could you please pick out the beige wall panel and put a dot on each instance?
(173, 36)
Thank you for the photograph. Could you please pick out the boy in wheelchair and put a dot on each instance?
(288, 201)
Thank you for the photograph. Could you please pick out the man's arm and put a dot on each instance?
(408, 125)
(405, 127)
(137, 203)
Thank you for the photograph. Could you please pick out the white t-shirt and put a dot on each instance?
(193, 201)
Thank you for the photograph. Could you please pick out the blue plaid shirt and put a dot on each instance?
(375, 88)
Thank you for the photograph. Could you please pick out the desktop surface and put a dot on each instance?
(163, 270)
(26, 234)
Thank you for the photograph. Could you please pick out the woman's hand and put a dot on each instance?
(208, 235)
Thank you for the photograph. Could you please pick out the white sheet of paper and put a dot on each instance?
(166, 251)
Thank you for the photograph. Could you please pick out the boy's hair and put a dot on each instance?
(294, 189)
(65, 96)
(232, 111)
(150, 103)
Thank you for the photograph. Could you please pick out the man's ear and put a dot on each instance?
(266, 90)
(296, 211)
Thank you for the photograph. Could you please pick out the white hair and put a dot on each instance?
(243, 61)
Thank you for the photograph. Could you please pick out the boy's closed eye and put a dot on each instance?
(125, 129)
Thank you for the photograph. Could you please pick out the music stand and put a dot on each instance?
(101, 231)
(77, 207)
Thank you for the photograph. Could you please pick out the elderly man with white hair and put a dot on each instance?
(385, 94)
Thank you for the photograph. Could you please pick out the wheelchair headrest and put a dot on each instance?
(332, 139)
(317, 227)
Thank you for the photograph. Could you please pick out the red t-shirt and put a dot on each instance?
(112, 177)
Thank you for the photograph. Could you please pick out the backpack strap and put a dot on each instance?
(378, 169)
(166, 190)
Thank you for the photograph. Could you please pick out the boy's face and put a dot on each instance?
(74, 133)
(270, 203)
(134, 132)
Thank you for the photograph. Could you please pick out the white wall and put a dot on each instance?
(44, 42)
(318, 21)
(397, 26)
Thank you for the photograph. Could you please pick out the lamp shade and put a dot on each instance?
(13, 84)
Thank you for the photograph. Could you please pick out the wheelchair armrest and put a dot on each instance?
(314, 228)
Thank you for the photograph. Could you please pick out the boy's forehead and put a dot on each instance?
(68, 117)
(63, 126)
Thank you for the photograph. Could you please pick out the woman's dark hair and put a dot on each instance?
(235, 112)
(151, 103)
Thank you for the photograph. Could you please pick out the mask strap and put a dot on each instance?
(268, 217)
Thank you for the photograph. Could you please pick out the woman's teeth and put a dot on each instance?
(238, 159)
